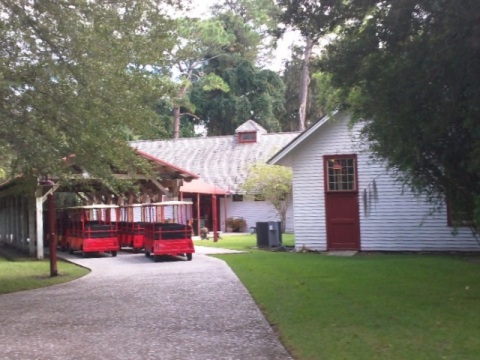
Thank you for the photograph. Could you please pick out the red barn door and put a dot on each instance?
(341, 202)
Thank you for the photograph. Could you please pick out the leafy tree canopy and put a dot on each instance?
(254, 94)
(260, 16)
(73, 79)
(198, 40)
(411, 68)
(249, 93)
(274, 184)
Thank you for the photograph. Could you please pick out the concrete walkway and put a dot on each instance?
(130, 307)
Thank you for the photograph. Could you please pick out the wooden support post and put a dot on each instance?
(31, 226)
(39, 217)
(40, 197)
(162, 188)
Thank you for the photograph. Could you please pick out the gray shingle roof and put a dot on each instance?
(218, 160)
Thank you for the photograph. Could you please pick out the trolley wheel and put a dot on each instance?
(147, 253)
(70, 250)
(156, 258)
(189, 257)
(84, 254)
(114, 253)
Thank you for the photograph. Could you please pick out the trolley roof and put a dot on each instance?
(95, 206)
(167, 203)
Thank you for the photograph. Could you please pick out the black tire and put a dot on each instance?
(114, 253)
(189, 257)
(147, 253)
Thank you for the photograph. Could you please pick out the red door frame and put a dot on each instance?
(348, 224)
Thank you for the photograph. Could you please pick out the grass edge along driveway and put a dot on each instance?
(20, 272)
(370, 306)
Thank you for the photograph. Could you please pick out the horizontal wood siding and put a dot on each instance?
(253, 212)
(308, 191)
(396, 219)
(391, 218)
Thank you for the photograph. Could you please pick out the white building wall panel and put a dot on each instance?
(253, 212)
(308, 193)
(391, 217)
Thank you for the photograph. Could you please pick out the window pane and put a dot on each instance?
(341, 174)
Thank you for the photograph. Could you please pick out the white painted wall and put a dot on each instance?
(253, 212)
(398, 220)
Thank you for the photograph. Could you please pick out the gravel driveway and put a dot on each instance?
(130, 307)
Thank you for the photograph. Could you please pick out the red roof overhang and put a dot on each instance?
(198, 186)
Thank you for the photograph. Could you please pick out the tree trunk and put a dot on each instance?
(304, 82)
(283, 219)
(176, 122)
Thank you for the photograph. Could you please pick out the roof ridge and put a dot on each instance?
(210, 137)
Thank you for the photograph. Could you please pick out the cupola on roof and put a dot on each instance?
(250, 126)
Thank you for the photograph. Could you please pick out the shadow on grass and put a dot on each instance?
(11, 254)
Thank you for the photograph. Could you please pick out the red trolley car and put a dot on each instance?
(130, 226)
(167, 229)
(92, 229)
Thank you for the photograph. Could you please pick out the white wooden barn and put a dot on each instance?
(344, 200)
(224, 161)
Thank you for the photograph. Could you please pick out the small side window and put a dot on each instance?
(247, 137)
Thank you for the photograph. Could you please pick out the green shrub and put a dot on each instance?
(236, 223)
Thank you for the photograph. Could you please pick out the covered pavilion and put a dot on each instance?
(23, 212)
(206, 208)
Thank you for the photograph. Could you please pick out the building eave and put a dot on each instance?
(290, 147)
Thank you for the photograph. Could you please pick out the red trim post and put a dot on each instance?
(225, 211)
(53, 235)
(214, 217)
(198, 214)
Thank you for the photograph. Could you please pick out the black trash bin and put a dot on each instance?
(262, 234)
(269, 234)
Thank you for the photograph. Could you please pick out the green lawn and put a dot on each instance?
(240, 242)
(370, 306)
(20, 272)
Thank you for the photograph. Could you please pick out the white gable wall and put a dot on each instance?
(392, 222)
(253, 212)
